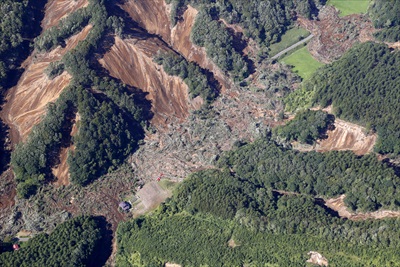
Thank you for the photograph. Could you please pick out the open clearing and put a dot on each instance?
(350, 7)
(303, 63)
(291, 37)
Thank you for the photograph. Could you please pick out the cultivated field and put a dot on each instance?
(350, 7)
(303, 63)
(291, 37)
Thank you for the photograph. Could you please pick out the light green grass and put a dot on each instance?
(290, 37)
(350, 7)
(303, 63)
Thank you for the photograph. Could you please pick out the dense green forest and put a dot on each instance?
(362, 87)
(18, 24)
(264, 21)
(306, 127)
(112, 114)
(385, 15)
(329, 174)
(78, 242)
(195, 77)
(216, 218)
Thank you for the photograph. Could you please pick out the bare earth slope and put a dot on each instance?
(347, 136)
(26, 102)
(131, 61)
(177, 37)
(58, 9)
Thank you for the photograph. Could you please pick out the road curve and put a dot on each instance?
(293, 46)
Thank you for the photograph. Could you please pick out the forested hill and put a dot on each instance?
(385, 15)
(362, 87)
(82, 241)
(234, 217)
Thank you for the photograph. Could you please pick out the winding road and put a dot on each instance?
(293, 46)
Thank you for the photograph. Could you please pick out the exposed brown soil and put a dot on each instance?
(153, 14)
(337, 204)
(335, 35)
(348, 136)
(132, 62)
(394, 45)
(150, 197)
(168, 264)
(232, 243)
(27, 101)
(58, 9)
(317, 258)
(345, 136)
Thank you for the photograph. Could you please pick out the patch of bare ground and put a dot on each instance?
(394, 45)
(335, 35)
(61, 171)
(338, 205)
(232, 243)
(168, 264)
(131, 61)
(150, 196)
(154, 17)
(26, 102)
(348, 136)
(58, 9)
(317, 258)
(345, 136)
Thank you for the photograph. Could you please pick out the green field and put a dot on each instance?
(303, 63)
(350, 7)
(291, 37)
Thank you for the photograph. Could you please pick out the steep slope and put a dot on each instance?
(131, 61)
(27, 101)
(58, 9)
(347, 136)
(177, 37)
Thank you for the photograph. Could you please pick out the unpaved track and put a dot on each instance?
(293, 46)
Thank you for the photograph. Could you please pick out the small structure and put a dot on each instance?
(125, 206)
(15, 247)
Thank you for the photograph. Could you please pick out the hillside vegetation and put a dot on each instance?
(112, 118)
(362, 87)
(385, 15)
(77, 242)
(216, 218)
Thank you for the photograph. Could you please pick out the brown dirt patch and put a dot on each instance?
(335, 35)
(151, 15)
(337, 204)
(132, 62)
(232, 243)
(318, 259)
(182, 43)
(394, 45)
(150, 197)
(27, 101)
(58, 9)
(168, 264)
(154, 17)
(61, 171)
(347, 136)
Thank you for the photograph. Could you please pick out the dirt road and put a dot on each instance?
(292, 46)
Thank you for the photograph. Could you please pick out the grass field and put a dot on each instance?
(291, 37)
(303, 63)
(347, 7)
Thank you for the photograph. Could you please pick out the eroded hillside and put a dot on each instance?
(178, 135)
(27, 102)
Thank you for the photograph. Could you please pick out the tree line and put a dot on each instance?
(362, 87)
(77, 242)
